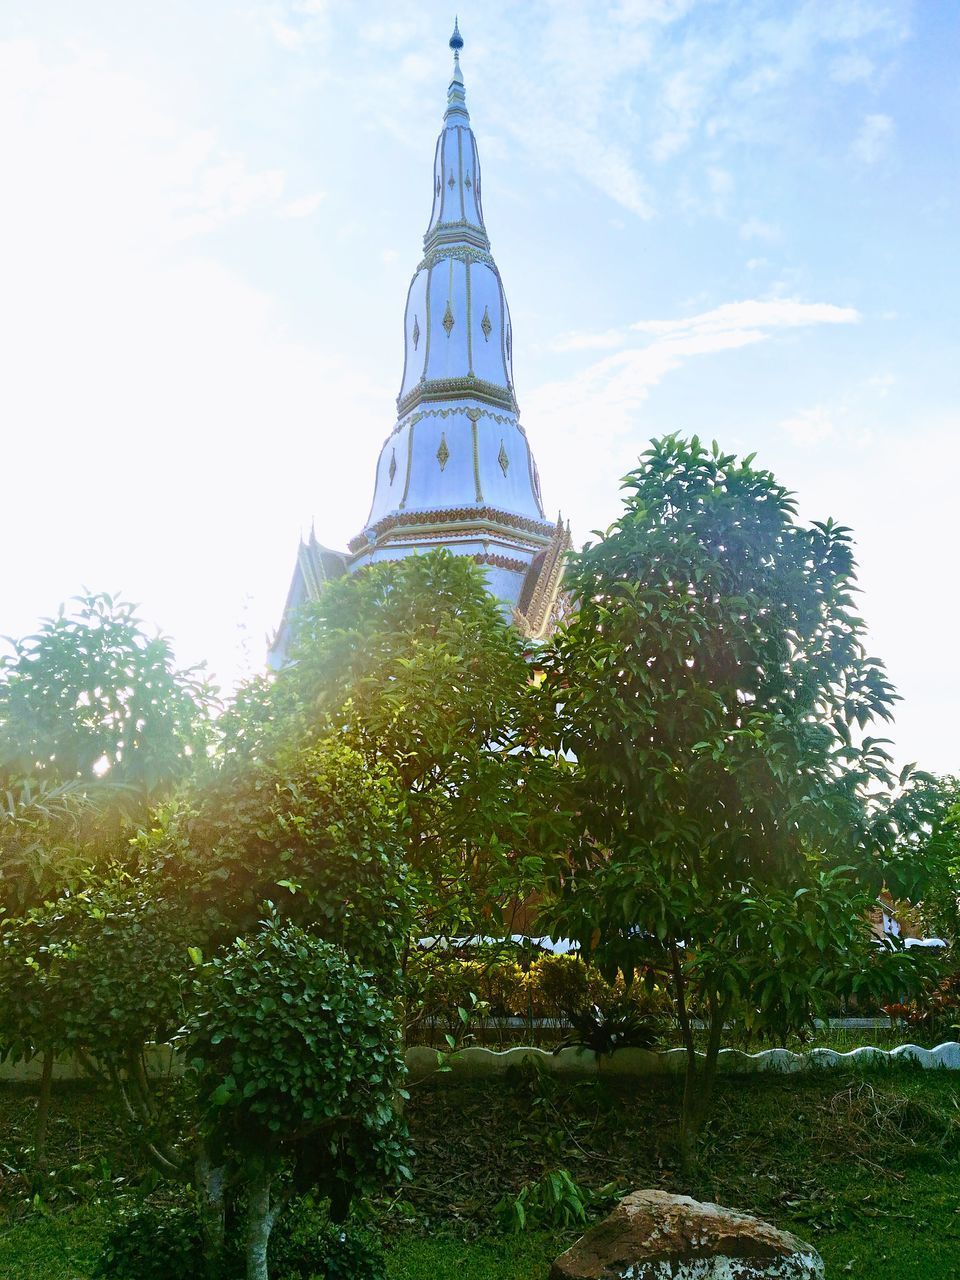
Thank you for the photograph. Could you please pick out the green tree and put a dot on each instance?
(96, 723)
(714, 689)
(413, 663)
(92, 695)
(926, 868)
(97, 974)
(316, 830)
(296, 1058)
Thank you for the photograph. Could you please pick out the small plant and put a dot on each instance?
(307, 1246)
(555, 1201)
(620, 1026)
(938, 1015)
(151, 1243)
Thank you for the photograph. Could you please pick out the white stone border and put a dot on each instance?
(479, 1062)
(476, 1061)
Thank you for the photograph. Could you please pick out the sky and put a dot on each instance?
(725, 217)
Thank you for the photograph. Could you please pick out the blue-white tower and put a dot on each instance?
(457, 470)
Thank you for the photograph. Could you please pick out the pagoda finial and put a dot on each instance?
(456, 102)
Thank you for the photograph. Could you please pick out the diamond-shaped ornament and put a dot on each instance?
(485, 324)
(392, 469)
(503, 459)
(443, 453)
(448, 319)
(416, 332)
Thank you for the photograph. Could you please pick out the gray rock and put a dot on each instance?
(655, 1236)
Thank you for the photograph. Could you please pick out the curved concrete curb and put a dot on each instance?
(481, 1062)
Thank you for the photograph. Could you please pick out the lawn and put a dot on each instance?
(864, 1165)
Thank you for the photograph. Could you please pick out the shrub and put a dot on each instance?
(555, 1201)
(295, 1056)
(938, 1015)
(561, 985)
(150, 1243)
(307, 1246)
(438, 984)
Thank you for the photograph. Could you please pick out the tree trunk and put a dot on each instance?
(699, 1084)
(689, 1124)
(260, 1219)
(43, 1114)
(210, 1192)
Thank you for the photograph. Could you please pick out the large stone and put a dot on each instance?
(655, 1236)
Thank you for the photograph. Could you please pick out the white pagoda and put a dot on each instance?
(457, 470)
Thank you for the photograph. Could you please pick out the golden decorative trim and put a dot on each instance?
(469, 319)
(453, 515)
(463, 211)
(448, 388)
(457, 534)
(462, 253)
(473, 413)
(502, 562)
(455, 233)
(476, 460)
(538, 609)
(426, 320)
(406, 478)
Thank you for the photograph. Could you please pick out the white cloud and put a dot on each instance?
(757, 229)
(752, 315)
(601, 401)
(582, 341)
(303, 206)
(875, 136)
(851, 68)
(809, 426)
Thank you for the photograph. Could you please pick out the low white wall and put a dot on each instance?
(475, 1061)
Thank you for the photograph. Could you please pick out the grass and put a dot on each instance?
(865, 1166)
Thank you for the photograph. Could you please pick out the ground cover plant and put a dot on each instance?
(865, 1165)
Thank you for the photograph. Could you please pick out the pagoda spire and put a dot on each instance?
(456, 470)
(457, 467)
(456, 95)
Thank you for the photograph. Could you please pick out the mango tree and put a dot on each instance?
(736, 811)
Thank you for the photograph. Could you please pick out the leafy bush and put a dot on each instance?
(314, 831)
(151, 1243)
(621, 1025)
(938, 1015)
(439, 985)
(296, 1056)
(305, 1245)
(555, 1201)
(97, 971)
(560, 985)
